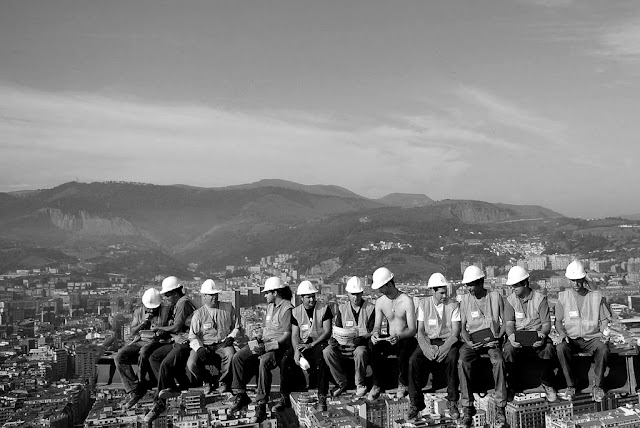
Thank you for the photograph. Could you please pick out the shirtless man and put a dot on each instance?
(400, 313)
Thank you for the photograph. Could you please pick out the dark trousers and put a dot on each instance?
(546, 353)
(171, 368)
(136, 352)
(218, 355)
(595, 347)
(381, 350)
(245, 364)
(466, 359)
(318, 367)
(420, 367)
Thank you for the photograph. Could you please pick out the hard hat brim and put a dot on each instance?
(575, 278)
(151, 305)
(170, 289)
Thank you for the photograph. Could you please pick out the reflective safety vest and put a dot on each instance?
(274, 327)
(527, 318)
(477, 319)
(310, 328)
(213, 325)
(581, 322)
(349, 321)
(434, 326)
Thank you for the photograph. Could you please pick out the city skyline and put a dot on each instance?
(528, 102)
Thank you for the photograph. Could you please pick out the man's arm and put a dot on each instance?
(378, 322)
(235, 322)
(411, 320)
(183, 317)
(503, 326)
(195, 333)
(326, 326)
(139, 321)
(545, 317)
(464, 334)
(287, 336)
(559, 318)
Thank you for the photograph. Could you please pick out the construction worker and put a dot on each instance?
(211, 336)
(581, 319)
(265, 352)
(481, 311)
(438, 344)
(310, 333)
(398, 309)
(527, 310)
(168, 362)
(146, 317)
(356, 313)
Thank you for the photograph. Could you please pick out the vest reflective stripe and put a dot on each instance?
(491, 319)
(307, 327)
(346, 316)
(274, 327)
(586, 324)
(213, 330)
(440, 328)
(531, 320)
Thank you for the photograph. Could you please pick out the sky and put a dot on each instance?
(516, 101)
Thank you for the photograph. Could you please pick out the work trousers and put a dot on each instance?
(170, 362)
(467, 356)
(218, 355)
(381, 350)
(335, 359)
(245, 364)
(546, 353)
(595, 347)
(420, 367)
(136, 352)
(318, 368)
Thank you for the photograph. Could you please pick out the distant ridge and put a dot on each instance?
(317, 189)
(407, 200)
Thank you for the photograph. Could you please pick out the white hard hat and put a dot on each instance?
(437, 280)
(380, 277)
(169, 283)
(355, 285)
(516, 274)
(151, 298)
(575, 271)
(272, 283)
(209, 287)
(472, 273)
(306, 287)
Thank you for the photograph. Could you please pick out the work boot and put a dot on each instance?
(169, 393)
(240, 401)
(467, 418)
(501, 418)
(322, 403)
(453, 409)
(551, 393)
(413, 413)
(360, 391)
(283, 403)
(261, 413)
(598, 394)
(132, 400)
(338, 390)
(374, 393)
(402, 391)
(569, 393)
(223, 388)
(155, 411)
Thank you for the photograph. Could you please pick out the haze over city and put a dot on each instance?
(521, 102)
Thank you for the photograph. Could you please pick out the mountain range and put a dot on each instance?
(218, 226)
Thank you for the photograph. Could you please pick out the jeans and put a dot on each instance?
(420, 367)
(466, 359)
(217, 355)
(546, 353)
(595, 347)
(136, 352)
(318, 366)
(334, 359)
(171, 368)
(245, 364)
(381, 350)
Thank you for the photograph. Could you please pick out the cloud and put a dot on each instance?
(507, 113)
(550, 3)
(48, 138)
(621, 42)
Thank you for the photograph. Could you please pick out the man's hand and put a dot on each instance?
(559, 339)
(304, 347)
(375, 338)
(473, 345)
(202, 354)
(512, 340)
(541, 338)
(258, 350)
(394, 339)
(296, 357)
(442, 353)
(228, 342)
(430, 351)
